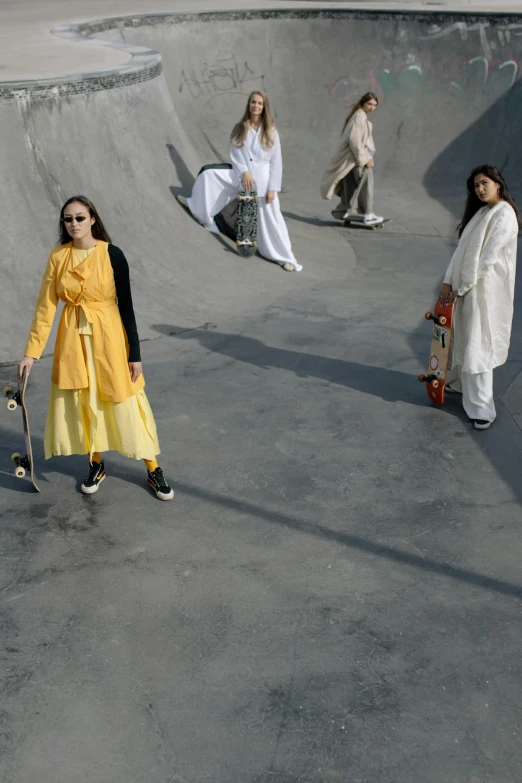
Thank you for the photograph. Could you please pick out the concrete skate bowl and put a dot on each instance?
(134, 137)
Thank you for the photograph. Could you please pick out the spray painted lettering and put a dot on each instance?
(221, 75)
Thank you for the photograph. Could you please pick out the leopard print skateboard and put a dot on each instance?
(247, 207)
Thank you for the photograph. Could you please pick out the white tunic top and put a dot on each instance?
(482, 270)
(266, 166)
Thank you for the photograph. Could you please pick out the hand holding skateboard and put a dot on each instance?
(16, 399)
(26, 364)
(447, 296)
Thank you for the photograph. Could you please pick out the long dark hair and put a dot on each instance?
(98, 229)
(368, 96)
(473, 203)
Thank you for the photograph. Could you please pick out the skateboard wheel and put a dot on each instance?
(7, 390)
(422, 378)
(15, 456)
(12, 405)
(428, 316)
(19, 472)
(435, 384)
(442, 320)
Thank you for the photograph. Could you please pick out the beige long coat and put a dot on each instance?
(350, 153)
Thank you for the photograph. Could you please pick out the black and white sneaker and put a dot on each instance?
(94, 479)
(159, 485)
(482, 424)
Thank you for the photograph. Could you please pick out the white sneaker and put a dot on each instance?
(372, 219)
(482, 424)
(288, 267)
(451, 389)
(182, 200)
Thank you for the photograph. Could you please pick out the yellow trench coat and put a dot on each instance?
(350, 153)
(90, 286)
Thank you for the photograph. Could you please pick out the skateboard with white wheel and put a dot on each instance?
(15, 400)
(354, 221)
(247, 206)
(435, 380)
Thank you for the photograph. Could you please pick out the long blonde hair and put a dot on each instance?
(368, 96)
(240, 131)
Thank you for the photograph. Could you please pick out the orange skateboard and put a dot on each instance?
(16, 399)
(442, 318)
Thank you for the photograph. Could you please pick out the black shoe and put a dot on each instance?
(94, 479)
(482, 424)
(159, 485)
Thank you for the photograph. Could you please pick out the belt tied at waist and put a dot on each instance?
(82, 314)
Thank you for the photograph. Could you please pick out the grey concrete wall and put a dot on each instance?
(448, 86)
(436, 76)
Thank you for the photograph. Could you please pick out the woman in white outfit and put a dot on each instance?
(350, 173)
(255, 153)
(481, 280)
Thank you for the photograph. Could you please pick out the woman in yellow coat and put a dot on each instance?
(98, 402)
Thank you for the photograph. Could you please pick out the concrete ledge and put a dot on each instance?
(146, 64)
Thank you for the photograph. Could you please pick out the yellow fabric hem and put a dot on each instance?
(80, 422)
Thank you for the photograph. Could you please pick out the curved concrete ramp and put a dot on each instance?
(133, 138)
(334, 594)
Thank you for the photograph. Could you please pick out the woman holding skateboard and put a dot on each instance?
(350, 173)
(481, 281)
(97, 401)
(255, 153)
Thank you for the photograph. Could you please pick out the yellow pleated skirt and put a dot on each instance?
(80, 422)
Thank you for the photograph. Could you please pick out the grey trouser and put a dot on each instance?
(357, 193)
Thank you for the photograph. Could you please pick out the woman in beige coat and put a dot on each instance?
(350, 173)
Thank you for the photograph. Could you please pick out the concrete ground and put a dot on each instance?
(335, 592)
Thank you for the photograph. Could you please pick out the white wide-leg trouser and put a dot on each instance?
(477, 392)
(215, 188)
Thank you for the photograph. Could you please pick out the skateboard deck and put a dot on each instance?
(435, 380)
(16, 399)
(354, 221)
(246, 241)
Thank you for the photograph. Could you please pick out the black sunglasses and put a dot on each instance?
(78, 218)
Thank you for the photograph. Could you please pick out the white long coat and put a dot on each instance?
(266, 166)
(483, 271)
(352, 151)
(215, 188)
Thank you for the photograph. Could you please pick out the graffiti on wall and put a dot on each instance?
(491, 38)
(479, 79)
(223, 74)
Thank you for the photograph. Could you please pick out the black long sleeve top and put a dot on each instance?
(120, 268)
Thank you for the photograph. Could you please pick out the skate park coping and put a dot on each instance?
(38, 39)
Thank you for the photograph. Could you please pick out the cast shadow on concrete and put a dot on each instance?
(389, 385)
(353, 542)
(217, 237)
(493, 138)
(71, 467)
(318, 222)
(502, 444)
(74, 466)
(185, 177)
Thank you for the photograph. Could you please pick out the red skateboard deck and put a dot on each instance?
(16, 399)
(435, 380)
